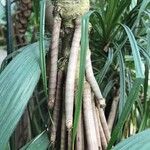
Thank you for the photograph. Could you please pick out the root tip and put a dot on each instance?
(51, 104)
(52, 139)
(69, 125)
(102, 103)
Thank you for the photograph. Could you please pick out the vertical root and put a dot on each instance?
(63, 131)
(69, 140)
(80, 135)
(104, 123)
(56, 112)
(91, 79)
(53, 60)
(96, 125)
(71, 73)
(89, 119)
(113, 111)
(100, 100)
(102, 135)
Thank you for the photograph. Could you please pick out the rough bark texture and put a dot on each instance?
(91, 136)
(21, 20)
(112, 114)
(57, 107)
(102, 135)
(71, 73)
(53, 60)
(49, 15)
(91, 79)
(104, 123)
(96, 124)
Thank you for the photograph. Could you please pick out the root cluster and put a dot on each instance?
(93, 130)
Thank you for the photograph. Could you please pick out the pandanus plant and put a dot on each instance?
(74, 97)
(63, 80)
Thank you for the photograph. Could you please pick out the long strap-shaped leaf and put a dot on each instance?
(17, 82)
(138, 141)
(2, 10)
(135, 53)
(127, 108)
(106, 66)
(83, 52)
(133, 95)
(142, 8)
(42, 45)
(40, 142)
(122, 93)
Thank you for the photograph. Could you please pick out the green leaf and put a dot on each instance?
(138, 141)
(98, 24)
(116, 8)
(145, 53)
(42, 45)
(8, 147)
(135, 52)
(36, 10)
(142, 8)
(108, 87)
(145, 117)
(111, 10)
(126, 111)
(2, 11)
(17, 82)
(41, 142)
(83, 52)
(122, 93)
(106, 66)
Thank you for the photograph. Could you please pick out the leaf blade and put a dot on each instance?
(17, 82)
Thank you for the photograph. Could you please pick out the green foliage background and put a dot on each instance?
(120, 45)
